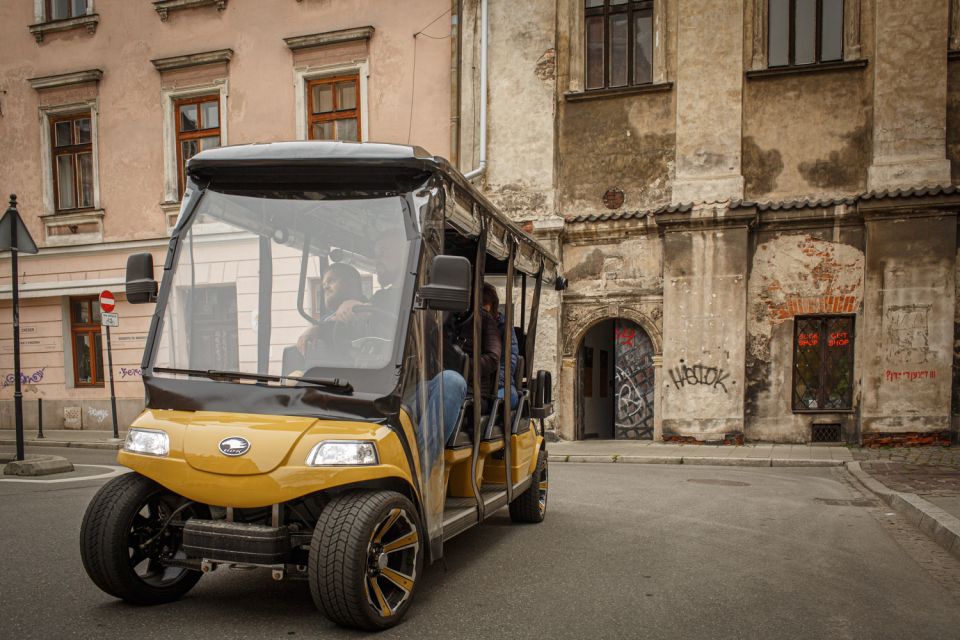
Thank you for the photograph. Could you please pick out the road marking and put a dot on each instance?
(113, 471)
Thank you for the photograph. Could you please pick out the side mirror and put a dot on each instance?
(141, 287)
(449, 288)
(542, 404)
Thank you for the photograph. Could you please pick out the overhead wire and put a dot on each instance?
(413, 79)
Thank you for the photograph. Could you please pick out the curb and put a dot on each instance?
(100, 444)
(38, 466)
(942, 527)
(696, 460)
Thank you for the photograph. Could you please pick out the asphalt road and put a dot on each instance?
(627, 551)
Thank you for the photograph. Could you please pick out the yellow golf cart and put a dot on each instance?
(296, 416)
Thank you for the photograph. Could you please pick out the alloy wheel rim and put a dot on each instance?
(543, 487)
(155, 534)
(391, 562)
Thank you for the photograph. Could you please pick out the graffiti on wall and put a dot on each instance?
(907, 333)
(32, 378)
(97, 414)
(130, 373)
(909, 376)
(633, 382)
(686, 375)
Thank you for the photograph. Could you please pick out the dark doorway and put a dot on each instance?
(615, 383)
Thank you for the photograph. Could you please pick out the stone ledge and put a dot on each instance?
(38, 466)
(329, 37)
(192, 60)
(164, 7)
(89, 21)
(66, 79)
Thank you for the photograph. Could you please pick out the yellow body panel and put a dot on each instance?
(523, 453)
(274, 470)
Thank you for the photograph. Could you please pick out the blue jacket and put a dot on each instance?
(514, 358)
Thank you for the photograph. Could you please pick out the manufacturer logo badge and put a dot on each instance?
(234, 446)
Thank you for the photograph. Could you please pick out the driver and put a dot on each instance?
(342, 291)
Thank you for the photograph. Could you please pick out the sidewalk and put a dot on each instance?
(82, 439)
(750, 455)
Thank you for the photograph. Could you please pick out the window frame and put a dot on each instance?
(97, 374)
(200, 133)
(335, 114)
(822, 339)
(630, 8)
(74, 150)
(303, 75)
(47, 10)
(818, 36)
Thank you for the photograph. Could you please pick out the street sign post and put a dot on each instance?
(109, 319)
(15, 237)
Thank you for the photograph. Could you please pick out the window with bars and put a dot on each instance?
(87, 342)
(823, 363)
(333, 108)
(71, 137)
(619, 43)
(804, 32)
(198, 128)
(64, 9)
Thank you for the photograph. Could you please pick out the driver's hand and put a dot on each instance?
(346, 312)
(306, 338)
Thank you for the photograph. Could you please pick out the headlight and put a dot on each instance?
(343, 453)
(149, 442)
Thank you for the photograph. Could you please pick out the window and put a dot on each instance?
(63, 9)
(333, 112)
(619, 43)
(71, 138)
(198, 128)
(823, 363)
(804, 32)
(87, 342)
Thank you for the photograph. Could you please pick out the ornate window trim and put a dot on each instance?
(164, 7)
(43, 26)
(302, 78)
(577, 39)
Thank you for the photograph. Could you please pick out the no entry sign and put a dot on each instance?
(107, 301)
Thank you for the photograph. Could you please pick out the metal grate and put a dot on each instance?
(825, 433)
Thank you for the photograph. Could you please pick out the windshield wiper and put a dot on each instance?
(332, 383)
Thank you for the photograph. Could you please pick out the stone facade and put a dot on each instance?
(754, 199)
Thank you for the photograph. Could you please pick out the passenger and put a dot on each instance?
(514, 359)
(342, 291)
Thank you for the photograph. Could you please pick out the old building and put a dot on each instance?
(101, 103)
(752, 200)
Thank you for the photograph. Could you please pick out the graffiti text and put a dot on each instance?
(698, 374)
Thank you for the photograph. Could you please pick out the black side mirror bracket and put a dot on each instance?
(141, 287)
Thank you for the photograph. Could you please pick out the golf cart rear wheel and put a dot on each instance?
(365, 558)
(131, 527)
(531, 505)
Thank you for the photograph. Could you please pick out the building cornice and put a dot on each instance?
(66, 79)
(193, 60)
(327, 38)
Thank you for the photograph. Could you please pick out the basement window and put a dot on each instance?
(823, 363)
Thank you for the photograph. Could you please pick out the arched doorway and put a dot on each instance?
(614, 392)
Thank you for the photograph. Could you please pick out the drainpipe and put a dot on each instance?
(455, 63)
(479, 171)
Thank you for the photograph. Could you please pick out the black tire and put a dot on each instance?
(356, 580)
(126, 513)
(531, 505)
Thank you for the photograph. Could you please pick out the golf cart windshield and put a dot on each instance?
(285, 285)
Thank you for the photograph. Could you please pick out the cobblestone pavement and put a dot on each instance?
(932, 473)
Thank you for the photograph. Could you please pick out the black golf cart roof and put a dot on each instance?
(392, 165)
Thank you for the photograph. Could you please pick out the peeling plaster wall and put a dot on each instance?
(795, 274)
(520, 116)
(806, 135)
(956, 349)
(953, 120)
(908, 343)
(625, 142)
(629, 267)
(703, 317)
